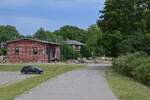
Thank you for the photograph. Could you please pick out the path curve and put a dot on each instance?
(84, 84)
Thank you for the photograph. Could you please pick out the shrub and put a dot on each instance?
(86, 51)
(126, 64)
(3, 51)
(143, 73)
(135, 65)
(69, 53)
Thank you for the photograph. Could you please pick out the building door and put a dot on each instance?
(50, 53)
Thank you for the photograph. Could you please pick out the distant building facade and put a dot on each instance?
(75, 44)
(32, 51)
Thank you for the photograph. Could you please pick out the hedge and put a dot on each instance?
(135, 65)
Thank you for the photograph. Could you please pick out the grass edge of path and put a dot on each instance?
(126, 88)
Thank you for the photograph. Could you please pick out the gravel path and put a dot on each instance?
(7, 78)
(83, 84)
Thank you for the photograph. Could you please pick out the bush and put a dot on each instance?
(86, 51)
(126, 64)
(3, 51)
(135, 65)
(143, 73)
(69, 53)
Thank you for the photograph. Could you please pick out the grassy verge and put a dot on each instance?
(10, 67)
(11, 91)
(126, 88)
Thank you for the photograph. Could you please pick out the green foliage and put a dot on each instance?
(143, 72)
(69, 53)
(87, 51)
(72, 33)
(125, 25)
(94, 41)
(47, 35)
(134, 43)
(111, 43)
(134, 65)
(3, 51)
(126, 16)
(8, 33)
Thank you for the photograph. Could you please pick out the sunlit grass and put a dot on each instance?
(127, 89)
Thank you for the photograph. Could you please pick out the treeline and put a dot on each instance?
(123, 27)
(91, 38)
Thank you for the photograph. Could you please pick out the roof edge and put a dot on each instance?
(38, 40)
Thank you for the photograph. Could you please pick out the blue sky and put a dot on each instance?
(30, 15)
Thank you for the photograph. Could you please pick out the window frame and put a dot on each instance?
(17, 51)
(35, 51)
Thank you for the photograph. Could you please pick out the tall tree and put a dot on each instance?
(94, 39)
(8, 33)
(125, 25)
(126, 16)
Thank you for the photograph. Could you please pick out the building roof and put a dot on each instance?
(37, 40)
(73, 42)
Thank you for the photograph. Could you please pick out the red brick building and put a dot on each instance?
(32, 50)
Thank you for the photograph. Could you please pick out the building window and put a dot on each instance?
(16, 51)
(35, 51)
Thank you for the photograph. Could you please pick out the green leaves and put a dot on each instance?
(134, 65)
(72, 33)
(126, 16)
(68, 52)
(47, 35)
(8, 33)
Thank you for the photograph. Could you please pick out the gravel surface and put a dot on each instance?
(84, 84)
(7, 78)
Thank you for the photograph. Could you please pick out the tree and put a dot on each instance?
(71, 32)
(126, 16)
(87, 51)
(111, 44)
(125, 25)
(3, 51)
(8, 33)
(47, 35)
(40, 34)
(94, 40)
(68, 52)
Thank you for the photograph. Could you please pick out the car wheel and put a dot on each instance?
(24, 72)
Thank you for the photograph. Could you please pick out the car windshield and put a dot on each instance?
(35, 67)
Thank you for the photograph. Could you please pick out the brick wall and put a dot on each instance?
(26, 52)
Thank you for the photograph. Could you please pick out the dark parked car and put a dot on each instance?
(29, 69)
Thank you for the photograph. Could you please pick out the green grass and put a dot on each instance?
(125, 88)
(11, 91)
(10, 67)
